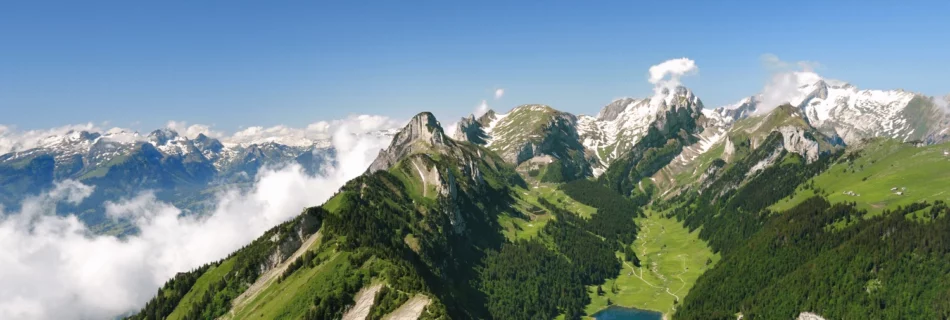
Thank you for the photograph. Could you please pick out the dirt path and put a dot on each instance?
(654, 267)
(364, 302)
(683, 258)
(643, 244)
(270, 276)
(634, 271)
(411, 310)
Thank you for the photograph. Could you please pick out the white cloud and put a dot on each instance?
(194, 130)
(500, 92)
(54, 268)
(450, 129)
(12, 140)
(784, 82)
(321, 130)
(774, 64)
(481, 109)
(666, 75)
(943, 102)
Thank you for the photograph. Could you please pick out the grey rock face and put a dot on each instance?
(470, 130)
(794, 140)
(421, 134)
(612, 110)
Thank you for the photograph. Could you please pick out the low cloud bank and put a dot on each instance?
(55, 268)
(784, 82)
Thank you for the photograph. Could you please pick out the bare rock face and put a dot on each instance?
(471, 130)
(710, 175)
(730, 149)
(611, 111)
(423, 133)
(809, 316)
(682, 110)
(794, 140)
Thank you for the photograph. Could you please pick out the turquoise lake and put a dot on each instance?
(621, 313)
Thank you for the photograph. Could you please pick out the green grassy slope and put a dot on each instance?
(875, 169)
(672, 258)
(209, 278)
(528, 216)
(524, 123)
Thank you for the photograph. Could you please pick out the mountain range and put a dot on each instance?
(180, 170)
(538, 213)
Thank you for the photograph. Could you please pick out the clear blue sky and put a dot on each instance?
(239, 63)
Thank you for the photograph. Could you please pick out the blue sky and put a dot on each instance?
(240, 63)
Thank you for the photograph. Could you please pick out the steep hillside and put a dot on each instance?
(881, 173)
(534, 138)
(833, 261)
(624, 122)
(676, 127)
(843, 260)
(696, 165)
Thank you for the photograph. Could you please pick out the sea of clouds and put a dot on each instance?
(54, 267)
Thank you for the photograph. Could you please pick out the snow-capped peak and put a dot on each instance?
(162, 136)
(623, 122)
(679, 96)
(838, 106)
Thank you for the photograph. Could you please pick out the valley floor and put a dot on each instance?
(671, 258)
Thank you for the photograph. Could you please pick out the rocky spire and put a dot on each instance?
(471, 130)
(423, 133)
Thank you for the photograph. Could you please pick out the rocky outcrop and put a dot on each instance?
(770, 160)
(423, 133)
(447, 169)
(611, 111)
(680, 111)
(809, 316)
(710, 175)
(289, 243)
(795, 140)
(741, 110)
(554, 134)
(471, 130)
(729, 150)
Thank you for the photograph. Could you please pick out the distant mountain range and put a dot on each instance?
(537, 139)
(829, 112)
(122, 163)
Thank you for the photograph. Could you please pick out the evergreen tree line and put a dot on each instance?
(592, 257)
(615, 213)
(528, 280)
(733, 207)
(805, 259)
